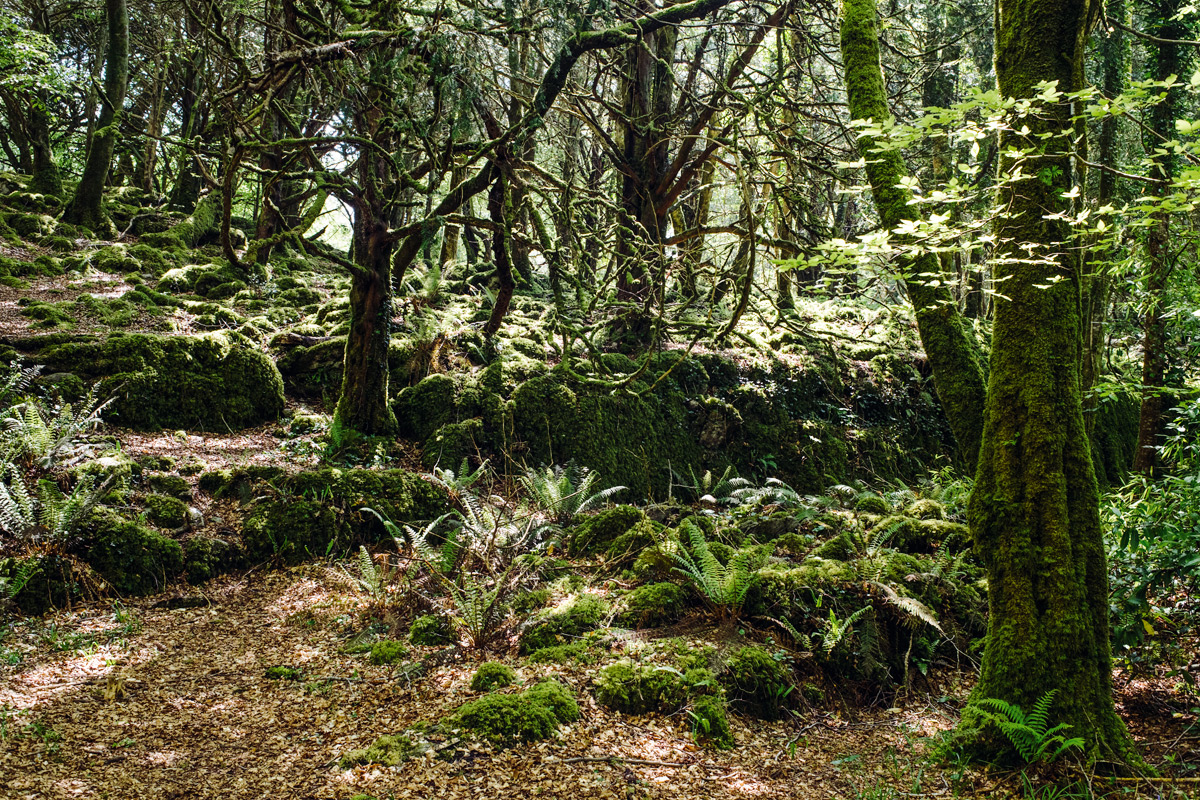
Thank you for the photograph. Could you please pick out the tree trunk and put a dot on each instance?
(363, 404)
(85, 207)
(1034, 509)
(948, 340)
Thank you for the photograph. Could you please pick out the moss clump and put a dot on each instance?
(579, 652)
(205, 558)
(654, 605)
(710, 722)
(757, 683)
(292, 530)
(424, 408)
(526, 602)
(871, 503)
(388, 651)
(391, 751)
(172, 485)
(598, 532)
(396, 494)
(47, 315)
(926, 509)
(510, 719)
(491, 675)
(166, 512)
(581, 616)
(639, 689)
(133, 559)
(429, 631)
(283, 674)
(913, 535)
(214, 382)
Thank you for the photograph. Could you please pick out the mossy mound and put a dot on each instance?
(506, 720)
(597, 532)
(581, 616)
(205, 558)
(492, 675)
(429, 631)
(758, 684)
(49, 582)
(710, 721)
(389, 750)
(134, 559)
(654, 605)
(915, 535)
(166, 511)
(387, 652)
(640, 688)
(214, 382)
(172, 485)
(578, 652)
(292, 531)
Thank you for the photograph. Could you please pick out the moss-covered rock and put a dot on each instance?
(640, 688)
(293, 530)
(789, 591)
(710, 721)
(133, 559)
(491, 675)
(172, 485)
(41, 582)
(205, 558)
(429, 631)
(654, 605)
(871, 503)
(757, 683)
(598, 531)
(925, 509)
(580, 616)
(913, 535)
(209, 382)
(578, 652)
(506, 720)
(422, 409)
(166, 512)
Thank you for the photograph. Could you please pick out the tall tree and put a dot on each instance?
(84, 208)
(1034, 510)
(948, 340)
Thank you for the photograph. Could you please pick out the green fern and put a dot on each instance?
(11, 585)
(773, 492)
(565, 492)
(372, 578)
(52, 436)
(835, 631)
(724, 586)
(1030, 735)
(457, 483)
(51, 513)
(14, 384)
(709, 488)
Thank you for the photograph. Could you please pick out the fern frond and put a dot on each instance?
(912, 608)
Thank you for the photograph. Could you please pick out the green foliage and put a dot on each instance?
(723, 586)
(710, 722)
(599, 531)
(565, 492)
(50, 514)
(492, 675)
(389, 750)
(51, 435)
(283, 673)
(507, 720)
(373, 578)
(387, 652)
(1030, 735)
(580, 652)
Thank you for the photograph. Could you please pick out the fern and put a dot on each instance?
(52, 436)
(372, 578)
(52, 513)
(836, 631)
(912, 609)
(565, 492)
(11, 585)
(1030, 735)
(773, 492)
(479, 608)
(457, 483)
(708, 488)
(14, 384)
(724, 586)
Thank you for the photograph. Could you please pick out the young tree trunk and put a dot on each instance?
(948, 340)
(1034, 510)
(84, 208)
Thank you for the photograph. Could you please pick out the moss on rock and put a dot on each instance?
(205, 558)
(757, 683)
(654, 605)
(166, 512)
(429, 631)
(598, 531)
(134, 559)
(581, 616)
(506, 720)
(491, 675)
(292, 530)
(210, 382)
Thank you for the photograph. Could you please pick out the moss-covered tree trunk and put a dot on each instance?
(948, 340)
(84, 208)
(1034, 510)
(363, 404)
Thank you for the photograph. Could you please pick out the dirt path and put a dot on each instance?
(201, 720)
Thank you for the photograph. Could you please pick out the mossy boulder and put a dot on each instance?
(506, 720)
(491, 675)
(396, 494)
(787, 591)
(422, 409)
(758, 684)
(216, 382)
(871, 503)
(429, 631)
(166, 511)
(580, 616)
(205, 558)
(654, 605)
(172, 485)
(598, 531)
(914, 535)
(293, 530)
(134, 559)
(640, 688)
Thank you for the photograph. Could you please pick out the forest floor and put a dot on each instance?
(140, 700)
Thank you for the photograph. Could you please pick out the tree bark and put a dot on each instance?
(1034, 509)
(85, 207)
(948, 340)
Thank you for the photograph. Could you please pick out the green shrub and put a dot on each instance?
(388, 651)
(757, 683)
(654, 605)
(491, 675)
(579, 617)
(429, 631)
(509, 719)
